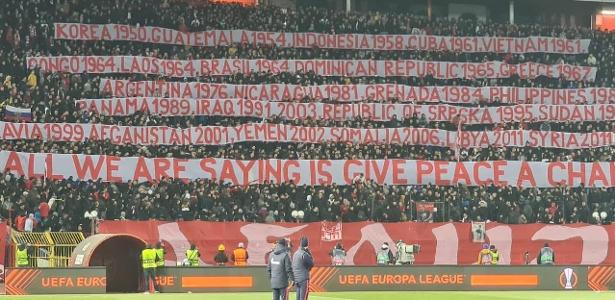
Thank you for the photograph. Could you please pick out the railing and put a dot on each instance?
(47, 249)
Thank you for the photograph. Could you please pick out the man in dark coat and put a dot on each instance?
(280, 271)
(302, 264)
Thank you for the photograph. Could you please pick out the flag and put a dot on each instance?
(424, 211)
(478, 232)
(330, 231)
(12, 113)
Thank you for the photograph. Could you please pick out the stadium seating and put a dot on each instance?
(531, 126)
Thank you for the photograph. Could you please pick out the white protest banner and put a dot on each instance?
(367, 111)
(322, 67)
(357, 92)
(267, 132)
(310, 172)
(214, 38)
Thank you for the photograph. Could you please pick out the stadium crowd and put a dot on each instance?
(60, 204)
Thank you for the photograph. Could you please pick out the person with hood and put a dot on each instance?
(302, 264)
(280, 271)
(21, 256)
(384, 256)
(221, 258)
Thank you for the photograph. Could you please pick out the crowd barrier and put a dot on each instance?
(326, 279)
(386, 278)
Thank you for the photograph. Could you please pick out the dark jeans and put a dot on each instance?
(150, 273)
(280, 294)
(302, 289)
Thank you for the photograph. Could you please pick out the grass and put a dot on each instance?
(538, 295)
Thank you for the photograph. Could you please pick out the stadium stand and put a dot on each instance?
(50, 98)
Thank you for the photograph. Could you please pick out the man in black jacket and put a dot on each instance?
(221, 258)
(280, 271)
(302, 264)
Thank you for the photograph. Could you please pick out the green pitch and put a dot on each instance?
(539, 295)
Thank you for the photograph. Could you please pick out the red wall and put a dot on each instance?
(442, 243)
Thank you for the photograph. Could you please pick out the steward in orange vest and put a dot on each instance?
(240, 255)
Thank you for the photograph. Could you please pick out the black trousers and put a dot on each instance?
(150, 273)
(280, 294)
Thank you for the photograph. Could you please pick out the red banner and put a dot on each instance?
(322, 67)
(441, 243)
(214, 38)
(310, 172)
(424, 211)
(357, 92)
(367, 111)
(331, 231)
(268, 132)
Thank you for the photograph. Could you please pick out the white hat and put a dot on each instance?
(240, 245)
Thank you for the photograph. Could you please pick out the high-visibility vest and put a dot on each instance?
(193, 257)
(241, 256)
(160, 254)
(21, 257)
(546, 256)
(148, 257)
(339, 256)
(485, 257)
(495, 258)
(382, 257)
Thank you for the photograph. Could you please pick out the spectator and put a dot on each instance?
(30, 222)
(51, 98)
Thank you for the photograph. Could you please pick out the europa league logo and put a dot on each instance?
(568, 279)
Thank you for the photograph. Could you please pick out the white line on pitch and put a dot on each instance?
(332, 298)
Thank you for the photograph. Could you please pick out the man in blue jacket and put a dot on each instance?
(302, 264)
(280, 270)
